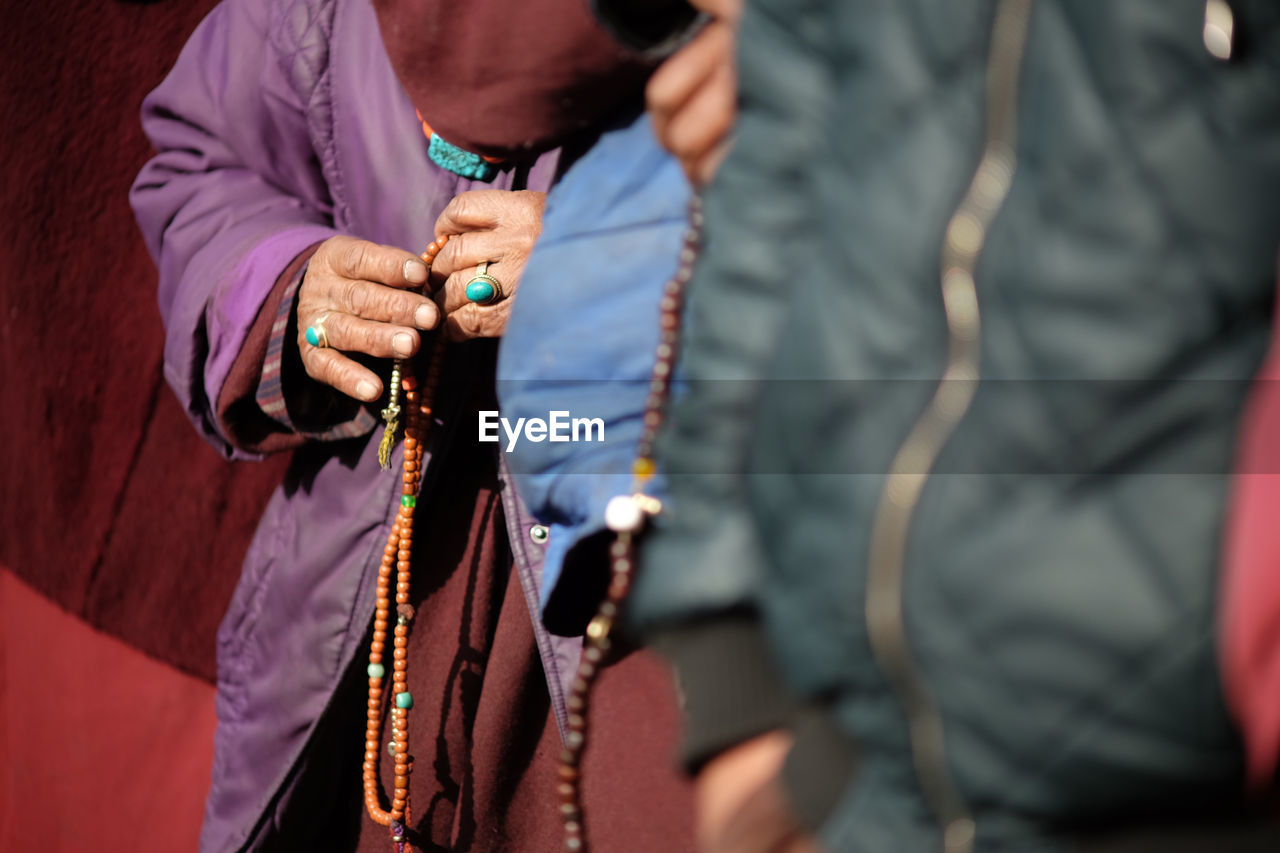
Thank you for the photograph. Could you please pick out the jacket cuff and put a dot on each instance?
(268, 403)
(727, 683)
(818, 769)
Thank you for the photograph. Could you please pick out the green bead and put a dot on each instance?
(391, 747)
(404, 700)
(377, 670)
(408, 500)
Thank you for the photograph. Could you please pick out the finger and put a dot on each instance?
(679, 77)
(469, 250)
(471, 211)
(335, 369)
(382, 340)
(360, 259)
(701, 171)
(378, 302)
(475, 321)
(705, 119)
(452, 296)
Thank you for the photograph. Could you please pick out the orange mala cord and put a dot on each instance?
(397, 556)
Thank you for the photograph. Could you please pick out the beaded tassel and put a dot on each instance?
(398, 555)
(625, 515)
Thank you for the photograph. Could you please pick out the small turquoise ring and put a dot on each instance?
(484, 289)
(317, 335)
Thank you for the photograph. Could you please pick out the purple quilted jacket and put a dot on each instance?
(282, 124)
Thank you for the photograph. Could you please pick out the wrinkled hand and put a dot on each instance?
(692, 97)
(741, 807)
(363, 294)
(497, 226)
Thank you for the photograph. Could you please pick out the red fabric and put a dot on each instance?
(110, 503)
(1251, 593)
(102, 748)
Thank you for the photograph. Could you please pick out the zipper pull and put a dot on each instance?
(1219, 29)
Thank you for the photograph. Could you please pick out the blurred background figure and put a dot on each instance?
(968, 348)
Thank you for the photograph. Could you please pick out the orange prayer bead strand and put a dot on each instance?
(397, 556)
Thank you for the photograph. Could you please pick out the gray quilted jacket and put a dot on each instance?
(1001, 586)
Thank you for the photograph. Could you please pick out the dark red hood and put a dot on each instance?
(498, 77)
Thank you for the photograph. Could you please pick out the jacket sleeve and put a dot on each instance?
(696, 598)
(704, 556)
(234, 197)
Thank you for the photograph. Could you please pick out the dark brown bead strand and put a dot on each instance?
(398, 556)
(622, 552)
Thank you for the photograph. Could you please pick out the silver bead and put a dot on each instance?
(623, 514)
(1219, 29)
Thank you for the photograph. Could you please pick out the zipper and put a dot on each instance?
(965, 235)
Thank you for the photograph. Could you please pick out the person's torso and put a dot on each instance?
(1061, 546)
(314, 556)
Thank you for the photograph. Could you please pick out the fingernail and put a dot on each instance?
(415, 271)
(366, 390)
(402, 344)
(425, 316)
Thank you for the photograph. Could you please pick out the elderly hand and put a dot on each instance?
(497, 226)
(361, 293)
(692, 97)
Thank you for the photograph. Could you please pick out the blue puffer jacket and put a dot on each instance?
(580, 340)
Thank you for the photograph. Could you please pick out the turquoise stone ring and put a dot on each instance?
(484, 289)
(480, 290)
(316, 334)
